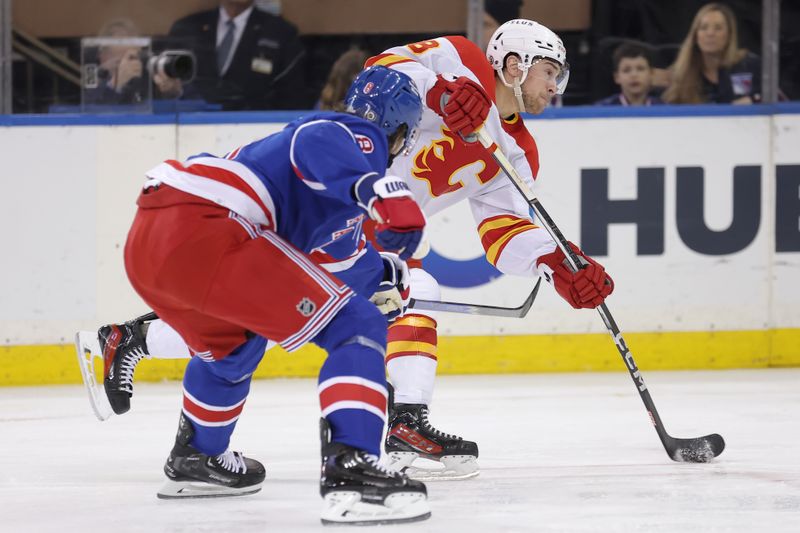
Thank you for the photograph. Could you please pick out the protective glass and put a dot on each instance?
(557, 74)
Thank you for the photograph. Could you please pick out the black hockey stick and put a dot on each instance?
(477, 309)
(697, 450)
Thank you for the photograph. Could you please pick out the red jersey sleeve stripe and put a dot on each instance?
(489, 234)
(524, 139)
(496, 232)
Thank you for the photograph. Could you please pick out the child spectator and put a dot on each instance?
(633, 72)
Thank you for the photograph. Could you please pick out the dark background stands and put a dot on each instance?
(266, 71)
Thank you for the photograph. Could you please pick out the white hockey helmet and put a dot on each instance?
(530, 41)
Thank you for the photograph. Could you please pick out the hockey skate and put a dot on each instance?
(358, 491)
(192, 474)
(121, 347)
(410, 438)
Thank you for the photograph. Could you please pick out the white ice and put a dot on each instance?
(559, 453)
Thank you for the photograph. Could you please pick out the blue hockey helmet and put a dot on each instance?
(388, 99)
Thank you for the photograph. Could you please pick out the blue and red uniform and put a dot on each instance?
(267, 243)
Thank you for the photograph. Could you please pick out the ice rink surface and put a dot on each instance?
(559, 453)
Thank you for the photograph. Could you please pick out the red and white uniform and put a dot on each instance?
(441, 171)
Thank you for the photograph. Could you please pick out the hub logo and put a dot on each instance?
(647, 211)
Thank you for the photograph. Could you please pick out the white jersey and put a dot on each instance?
(441, 170)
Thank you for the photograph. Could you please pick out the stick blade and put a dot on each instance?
(477, 309)
(699, 450)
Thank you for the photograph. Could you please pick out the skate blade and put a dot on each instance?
(446, 468)
(87, 348)
(343, 508)
(176, 490)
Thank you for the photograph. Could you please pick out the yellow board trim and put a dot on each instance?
(57, 364)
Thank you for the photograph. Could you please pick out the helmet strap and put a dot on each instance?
(515, 85)
(518, 94)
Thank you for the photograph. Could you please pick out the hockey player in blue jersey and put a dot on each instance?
(266, 243)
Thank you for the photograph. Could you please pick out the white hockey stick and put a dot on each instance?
(695, 450)
(477, 309)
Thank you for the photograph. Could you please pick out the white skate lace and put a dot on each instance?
(126, 367)
(233, 462)
(375, 462)
(423, 417)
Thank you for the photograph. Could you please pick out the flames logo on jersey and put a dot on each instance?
(439, 162)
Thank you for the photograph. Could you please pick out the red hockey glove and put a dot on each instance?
(585, 289)
(389, 202)
(394, 292)
(462, 103)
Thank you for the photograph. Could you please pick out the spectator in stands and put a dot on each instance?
(121, 69)
(711, 68)
(342, 74)
(633, 72)
(246, 58)
(495, 13)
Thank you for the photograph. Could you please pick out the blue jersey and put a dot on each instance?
(298, 183)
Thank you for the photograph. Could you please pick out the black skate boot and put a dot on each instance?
(411, 436)
(122, 346)
(358, 490)
(192, 474)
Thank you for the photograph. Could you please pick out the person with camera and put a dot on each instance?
(122, 68)
(245, 59)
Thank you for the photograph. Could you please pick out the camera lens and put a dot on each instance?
(180, 66)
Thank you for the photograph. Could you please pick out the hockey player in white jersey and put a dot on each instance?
(523, 67)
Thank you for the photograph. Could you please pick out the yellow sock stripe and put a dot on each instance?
(417, 321)
(410, 346)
